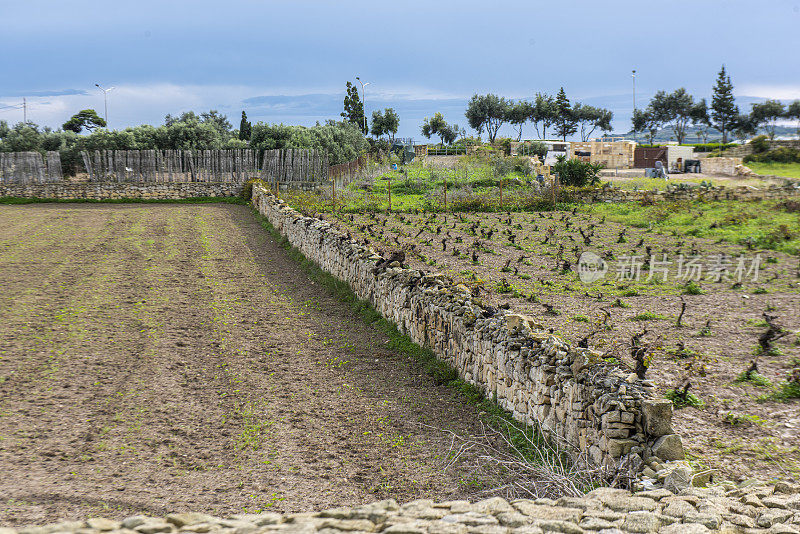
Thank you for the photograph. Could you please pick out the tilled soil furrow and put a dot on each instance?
(201, 369)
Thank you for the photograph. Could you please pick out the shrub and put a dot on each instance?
(534, 148)
(523, 166)
(378, 147)
(504, 144)
(712, 147)
(779, 155)
(502, 166)
(760, 144)
(577, 173)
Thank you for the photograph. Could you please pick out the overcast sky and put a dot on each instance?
(288, 61)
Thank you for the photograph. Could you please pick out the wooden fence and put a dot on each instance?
(289, 167)
(292, 167)
(30, 167)
(164, 166)
(295, 168)
(348, 168)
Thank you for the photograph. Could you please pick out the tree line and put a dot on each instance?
(487, 113)
(678, 110)
(189, 131)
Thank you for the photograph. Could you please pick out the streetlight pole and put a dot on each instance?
(105, 99)
(363, 101)
(633, 75)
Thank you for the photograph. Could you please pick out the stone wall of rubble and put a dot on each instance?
(615, 194)
(725, 509)
(114, 190)
(575, 396)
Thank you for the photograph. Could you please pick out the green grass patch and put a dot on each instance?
(764, 224)
(679, 401)
(743, 419)
(692, 288)
(787, 391)
(753, 378)
(786, 170)
(648, 316)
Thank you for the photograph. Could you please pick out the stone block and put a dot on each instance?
(657, 416)
(619, 447)
(669, 448)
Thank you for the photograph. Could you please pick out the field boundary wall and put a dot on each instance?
(114, 190)
(577, 398)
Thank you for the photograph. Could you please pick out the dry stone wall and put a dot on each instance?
(726, 166)
(575, 396)
(616, 194)
(112, 190)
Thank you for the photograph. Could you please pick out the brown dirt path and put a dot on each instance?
(157, 358)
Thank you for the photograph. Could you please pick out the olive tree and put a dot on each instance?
(590, 118)
(793, 112)
(543, 112)
(677, 109)
(518, 114)
(385, 122)
(436, 125)
(767, 114)
(487, 112)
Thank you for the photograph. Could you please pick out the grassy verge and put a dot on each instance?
(765, 224)
(524, 438)
(787, 170)
(192, 200)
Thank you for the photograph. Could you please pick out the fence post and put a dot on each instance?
(501, 191)
(555, 183)
(445, 191)
(558, 184)
(333, 194)
(390, 192)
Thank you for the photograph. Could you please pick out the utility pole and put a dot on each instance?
(633, 75)
(24, 110)
(363, 101)
(105, 99)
